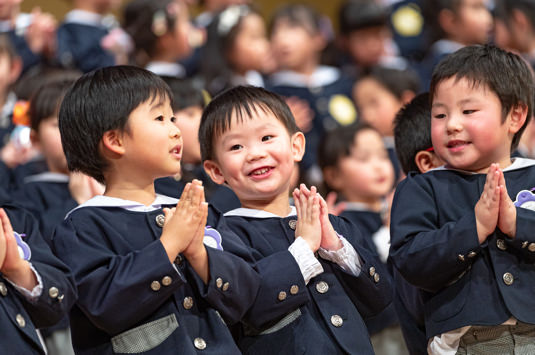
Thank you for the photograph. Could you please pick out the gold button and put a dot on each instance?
(20, 320)
(508, 278)
(376, 278)
(372, 271)
(219, 282)
(199, 343)
(525, 244)
(155, 286)
(179, 259)
(460, 257)
(225, 287)
(472, 254)
(282, 296)
(53, 292)
(292, 223)
(167, 280)
(188, 302)
(294, 289)
(3, 289)
(160, 220)
(500, 243)
(322, 287)
(337, 321)
(531, 247)
(60, 297)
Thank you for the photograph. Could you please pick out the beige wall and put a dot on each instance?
(60, 7)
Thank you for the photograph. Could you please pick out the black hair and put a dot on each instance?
(186, 93)
(396, 81)
(337, 144)
(301, 15)
(221, 34)
(244, 102)
(431, 10)
(355, 15)
(504, 10)
(100, 101)
(145, 21)
(412, 131)
(47, 97)
(487, 66)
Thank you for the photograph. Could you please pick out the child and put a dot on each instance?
(298, 40)
(456, 232)
(366, 37)
(188, 104)
(161, 31)
(379, 95)
(355, 164)
(147, 282)
(237, 51)
(454, 24)
(414, 149)
(306, 304)
(36, 288)
(90, 38)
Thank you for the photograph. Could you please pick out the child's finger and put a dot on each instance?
(6, 224)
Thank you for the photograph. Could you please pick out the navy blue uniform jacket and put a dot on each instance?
(20, 317)
(302, 323)
(132, 299)
(435, 247)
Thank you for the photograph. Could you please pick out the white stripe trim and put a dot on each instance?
(47, 177)
(249, 212)
(518, 163)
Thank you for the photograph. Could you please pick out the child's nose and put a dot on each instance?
(175, 131)
(255, 152)
(453, 124)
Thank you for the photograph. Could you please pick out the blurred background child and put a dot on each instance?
(379, 95)
(160, 31)
(237, 50)
(298, 38)
(356, 166)
(83, 36)
(188, 104)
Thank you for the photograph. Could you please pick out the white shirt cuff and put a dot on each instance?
(308, 264)
(346, 257)
(31, 295)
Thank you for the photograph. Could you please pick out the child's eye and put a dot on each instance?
(173, 119)
(236, 147)
(159, 118)
(440, 115)
(468, 112)
(266, 138)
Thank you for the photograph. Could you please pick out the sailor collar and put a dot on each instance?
(518, 163)
(249, 212)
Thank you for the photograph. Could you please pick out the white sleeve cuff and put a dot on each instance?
(31, 295)
(308, 264)
(346, 257)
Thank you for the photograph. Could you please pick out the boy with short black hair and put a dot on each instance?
(456, 232)
(147, 281)
(308, 303)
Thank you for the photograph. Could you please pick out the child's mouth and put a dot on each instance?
(260, 171)
(456, 145)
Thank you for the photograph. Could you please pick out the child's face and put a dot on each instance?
(377, 106)
(466, 126)
(182, 29)
(8, 8)
(251, 49)
(367, 46)
(48, 140)
(367, 173)
(188, 121)
(152, 142)
(256, 158)
(294, 47)
(474, 22)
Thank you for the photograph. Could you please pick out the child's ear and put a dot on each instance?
(519, 113)
(112, 143)
(34, 138)
(407, 96)
(426, 161)
(16, 69)
(447, 21)
(298, 146)
(213, 170)
(330, 176)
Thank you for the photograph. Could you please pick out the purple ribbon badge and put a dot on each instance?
(24, 249)
(212, 238)
(525, 199)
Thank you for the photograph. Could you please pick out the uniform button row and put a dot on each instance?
(373, 273)
(294, 289)
(223, 286)
(530, 246)
(3, 289)
(156, 286)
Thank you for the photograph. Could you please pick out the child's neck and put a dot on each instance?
(279, 206)
(307, 68)
(143, 193)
